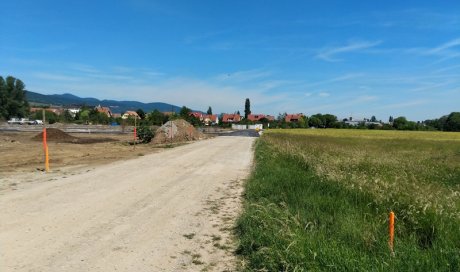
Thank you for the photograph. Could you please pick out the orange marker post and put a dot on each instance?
(44, 139)
(391, 231)
(45, 148)
(135, 133)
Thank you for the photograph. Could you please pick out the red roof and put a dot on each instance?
(131, 113)
(257, 117)
(105, 110)
(198, 115)
(293, 117)
(231, 118)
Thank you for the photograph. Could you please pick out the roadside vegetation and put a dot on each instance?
(319, 200)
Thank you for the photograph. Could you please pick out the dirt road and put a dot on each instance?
(168, 211)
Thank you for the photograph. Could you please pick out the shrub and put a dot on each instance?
(145, 134)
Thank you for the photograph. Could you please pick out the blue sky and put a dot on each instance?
(359, 58)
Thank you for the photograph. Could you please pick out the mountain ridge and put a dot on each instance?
(116, 106)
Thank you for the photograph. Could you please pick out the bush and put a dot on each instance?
(145, 134)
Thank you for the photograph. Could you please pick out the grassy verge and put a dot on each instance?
(320, 201)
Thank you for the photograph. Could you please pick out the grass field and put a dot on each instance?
(319, 200)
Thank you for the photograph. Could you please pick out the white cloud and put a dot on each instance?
(328, 54)
(324, 94)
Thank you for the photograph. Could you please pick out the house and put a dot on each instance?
(365, 122)
(231, 118)
(210, 119)
(116, 115)
(207, 119)
(293, 118)
(129, 114)
(105, 110)
(258, 117)
(196, 114)
(73, 111)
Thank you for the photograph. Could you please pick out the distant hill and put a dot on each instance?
(116, 106)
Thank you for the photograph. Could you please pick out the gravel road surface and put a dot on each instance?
(168, 211)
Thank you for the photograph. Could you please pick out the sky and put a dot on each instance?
(347, 58)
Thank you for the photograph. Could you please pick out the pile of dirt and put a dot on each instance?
(176, 131)
(55, 135)
(59, 136)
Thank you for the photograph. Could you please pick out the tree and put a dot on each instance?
(209, 111)
(66, 116)
(157, 118)
(390, 120)
(141, 113)
(13, 101)
(314, 121)
(83, 115)
(303, 121)
(185, 112)
(247, 108)
(329, 120)
(373, 119)
(453, 122)
(400, 122)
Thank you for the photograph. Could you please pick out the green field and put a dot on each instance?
(319, 200)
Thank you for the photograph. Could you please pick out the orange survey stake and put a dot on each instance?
(45, 147)
(44, 138)
(391, 230)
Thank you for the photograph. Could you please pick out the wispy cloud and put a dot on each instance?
(446, 50)
(445, 69)
(445, 46)
(344, 77)
(328, 54)
(56, 77)
(244, 76)
(83, 68)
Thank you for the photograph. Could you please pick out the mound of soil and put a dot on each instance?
(59, 136)
(55, 135)
(176, 131)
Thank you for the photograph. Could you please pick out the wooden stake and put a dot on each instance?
(391, 231)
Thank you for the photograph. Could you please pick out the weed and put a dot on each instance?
(189, 236)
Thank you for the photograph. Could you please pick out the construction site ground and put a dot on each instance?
(109, 207)
(22, 154)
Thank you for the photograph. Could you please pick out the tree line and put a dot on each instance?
(13, 103)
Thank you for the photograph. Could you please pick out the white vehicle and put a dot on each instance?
(18, 121)
(24, 121)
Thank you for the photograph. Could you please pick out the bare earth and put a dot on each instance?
(171, 210)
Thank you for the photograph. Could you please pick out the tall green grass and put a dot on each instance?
(320, 201)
